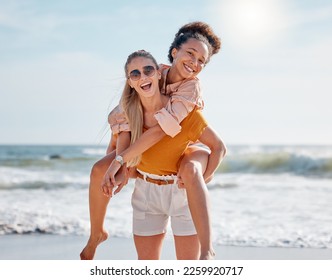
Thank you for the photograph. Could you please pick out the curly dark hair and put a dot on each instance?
(196, 30)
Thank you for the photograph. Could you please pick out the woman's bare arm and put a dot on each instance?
(147, 140)
(211, 139)
(111, 145)
(143, 143)
(119, 142)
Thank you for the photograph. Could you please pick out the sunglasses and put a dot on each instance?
(147, 70)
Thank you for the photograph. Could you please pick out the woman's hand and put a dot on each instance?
(121, 178)
(180, 183)
(114, 176)
(208, 179)
(107, 191)
(182, 186)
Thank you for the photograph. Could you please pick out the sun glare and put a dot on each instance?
(252, 19)
(251, 22)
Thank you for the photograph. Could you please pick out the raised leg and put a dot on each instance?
(98, 205)
(191, 172)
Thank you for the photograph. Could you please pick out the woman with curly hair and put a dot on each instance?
(191, 50)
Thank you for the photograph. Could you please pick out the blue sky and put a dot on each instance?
(61, 66)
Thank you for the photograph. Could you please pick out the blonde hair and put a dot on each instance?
(131, 104)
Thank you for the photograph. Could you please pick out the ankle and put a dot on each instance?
(98, 236)
(207, 254)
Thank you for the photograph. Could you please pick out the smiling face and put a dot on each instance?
(143, 76)
(189, 59)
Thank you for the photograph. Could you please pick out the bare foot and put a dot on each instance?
(209, 255)
(89, 250)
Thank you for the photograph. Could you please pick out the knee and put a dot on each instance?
(97, 170)
(190, 172)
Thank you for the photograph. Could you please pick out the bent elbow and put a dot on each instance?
(220, 148)
(223, 149)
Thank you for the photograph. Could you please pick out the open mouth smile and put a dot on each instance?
(146, 86)
(189, 69)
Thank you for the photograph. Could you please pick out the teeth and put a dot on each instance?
(143, 85)
(188, 68)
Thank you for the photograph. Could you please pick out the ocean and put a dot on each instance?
(266, 196)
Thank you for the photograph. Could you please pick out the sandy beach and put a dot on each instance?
(55, 247)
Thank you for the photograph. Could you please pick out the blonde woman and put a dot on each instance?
(156, 197)
(191, 50)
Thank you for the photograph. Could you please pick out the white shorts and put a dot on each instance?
(153, 205)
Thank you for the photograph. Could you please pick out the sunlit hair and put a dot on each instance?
(199, 31)
(131, 103)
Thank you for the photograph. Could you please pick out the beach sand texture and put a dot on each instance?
(55, 247)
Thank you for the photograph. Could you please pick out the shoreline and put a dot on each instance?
(57, 247)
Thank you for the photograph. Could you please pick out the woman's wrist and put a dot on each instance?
(119, 159)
